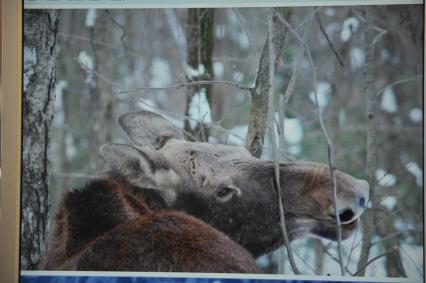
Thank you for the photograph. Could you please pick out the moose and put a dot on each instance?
(168, 204)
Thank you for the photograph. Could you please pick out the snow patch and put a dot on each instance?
(91, 18)
(385, 54)
(30, 60)
(86, 60)
(244, 40)
(59, 92)
(294, 149)
(238, 134)
(384, 178)
(389, 202)
(330, 12)
(238, 77)
(218, 69)
(293, 132)
(193, 73)
(323, 92)
(357, 56)
(199, 109)
(388, 102)
(220, 31)
(416, 115)
(160, 72)
(70, 149)
(414, 169)
(350, 26)
(413, 261)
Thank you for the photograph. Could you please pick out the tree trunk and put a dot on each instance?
(259, 95)
(100, 92)
(40, 50)
(372, 101)
(200, 42)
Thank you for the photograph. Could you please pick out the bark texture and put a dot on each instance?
(372, 103)
(200, 42)
(259, 94)
(40, 50)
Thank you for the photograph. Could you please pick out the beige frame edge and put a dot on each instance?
(10, 91)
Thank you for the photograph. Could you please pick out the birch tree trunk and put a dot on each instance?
(259, 95)
(40, 50)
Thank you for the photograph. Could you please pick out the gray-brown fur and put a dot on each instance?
(249, 213)
(227, 189)
(111, 225)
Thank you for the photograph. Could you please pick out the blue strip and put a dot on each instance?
(112, 279)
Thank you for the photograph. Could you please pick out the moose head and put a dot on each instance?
(231, 190)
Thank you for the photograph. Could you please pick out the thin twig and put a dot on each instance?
(97, 74)
(419, 269)
(391, 236)
(331, 165)
(123, 29)
(387, 252)
(274, 147)
(398, 82)
(329, 143)
(325, 249)
(189, 84)
(329, 41)
(97, 42)
(352, 245)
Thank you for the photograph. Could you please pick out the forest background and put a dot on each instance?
(348, 79)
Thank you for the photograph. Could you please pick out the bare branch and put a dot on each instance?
(98, 42)
(259, 94)
(120, 26)
(398, 82)
(361, 271)
(330, 163)
(336, 260)
(271, 124)
(339, 59)
(188, 84)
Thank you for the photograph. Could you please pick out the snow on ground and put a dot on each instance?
(91, 18)
(388, 102)
(323, 92)
(414, 169)
(30, 60)
(350, 26)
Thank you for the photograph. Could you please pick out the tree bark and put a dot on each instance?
(40, 51)
(372, 103)
(200, 42)
(259, 94)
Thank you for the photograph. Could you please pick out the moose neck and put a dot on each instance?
(150, 197)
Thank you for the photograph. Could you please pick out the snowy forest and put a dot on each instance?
(345, 88)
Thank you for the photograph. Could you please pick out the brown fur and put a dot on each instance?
(105, 226)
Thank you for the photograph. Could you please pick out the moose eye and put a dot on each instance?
(223, 192)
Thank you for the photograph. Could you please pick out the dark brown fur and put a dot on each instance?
(108, 225)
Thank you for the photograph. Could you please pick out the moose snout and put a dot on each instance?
(353, 205)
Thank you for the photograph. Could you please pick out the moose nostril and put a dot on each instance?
(361, 201)
(346, 215)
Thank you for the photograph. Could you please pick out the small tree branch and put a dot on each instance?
(361, 270)
(271, 125)
(327, 138)
(339, 59)
(259, 95)
(188, 84)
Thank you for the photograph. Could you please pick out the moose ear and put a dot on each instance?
(149, 129)
(143, 168)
